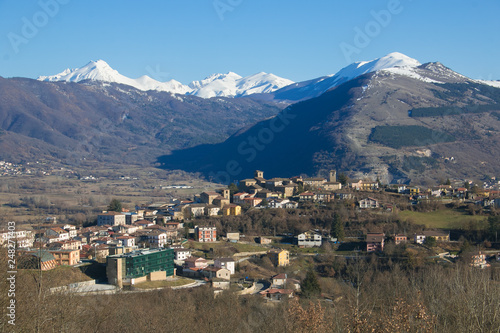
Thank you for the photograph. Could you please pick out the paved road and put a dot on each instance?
(261, 285)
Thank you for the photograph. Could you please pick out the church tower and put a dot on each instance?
(333, 176)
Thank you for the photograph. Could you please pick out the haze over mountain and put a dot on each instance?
(406, 123)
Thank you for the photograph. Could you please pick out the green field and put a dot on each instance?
(443, 219)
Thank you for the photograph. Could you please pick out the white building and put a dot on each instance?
(182, 253)
(111, 218)
(309, 239)
(157, 239)
(227, 263)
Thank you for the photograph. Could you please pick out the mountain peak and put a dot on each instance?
(100, 71)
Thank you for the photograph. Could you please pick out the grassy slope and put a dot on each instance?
(442, 219)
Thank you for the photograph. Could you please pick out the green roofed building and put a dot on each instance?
(139, 266)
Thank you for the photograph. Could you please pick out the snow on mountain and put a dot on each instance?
(261, 83)
(315, 87)
(495, 84)
(232, 84)
(392, 60)
(101, 71)
(216, 85)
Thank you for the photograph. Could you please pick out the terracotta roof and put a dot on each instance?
(280, 276)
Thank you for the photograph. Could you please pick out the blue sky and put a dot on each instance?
(191, 39)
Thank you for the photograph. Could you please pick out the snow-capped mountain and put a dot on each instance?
(216, 85)
(315, 87)
(231, 84)
(101, 71)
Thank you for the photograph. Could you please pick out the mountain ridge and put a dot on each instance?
(365, 127)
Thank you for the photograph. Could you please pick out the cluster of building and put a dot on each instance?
(375, 240)
(487, 197)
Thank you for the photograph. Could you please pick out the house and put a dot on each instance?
(60, 233)
(400, 239)
(479, 260)
(73, 244)
(212, 210)
(332, 186)
(369, 203)
(440, 236)
(413, 190)
(227, 263)
(285, 190)
(128, 241)
(279, 257)
(221, 201)
(216, 272)
(314, 182)
(239, 197)
(291, 205)
(205, 234)
(277, 203)
(231, 210)
(66, 257)
(307, 196)
(157, 239)
(35, 259)
(264, 194)
(324, 196)
(264, 240)
(277, 294)
(143, 224)
(400, 188)
(182, 253)
(195, 262)
(309, 238)
(140, 266)
(279, 281)
(195, 210)
(374, 242)
(233, 236)
(111, 218)
(208, 197)
(252, 201)
(344, 195)
(363, 185)
(245, 184)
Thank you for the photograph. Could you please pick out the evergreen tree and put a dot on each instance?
(299, 189)
(337, 229)
(343, 179)
(233, 189)
(448, 182)
(115, 206)
(310, 286)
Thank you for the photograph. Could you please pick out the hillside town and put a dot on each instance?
(164, 241)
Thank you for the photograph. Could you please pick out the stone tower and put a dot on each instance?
(258, 174)
(333, 176)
